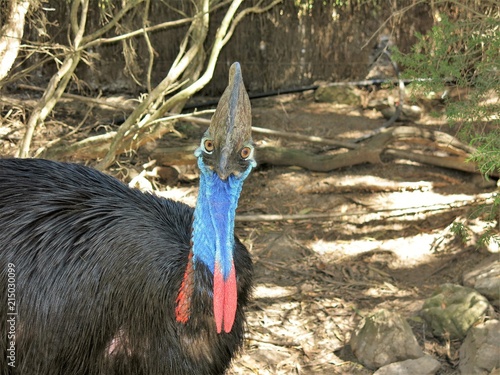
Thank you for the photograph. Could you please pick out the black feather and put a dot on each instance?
(98, 267)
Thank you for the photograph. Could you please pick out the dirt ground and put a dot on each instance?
(317, 277)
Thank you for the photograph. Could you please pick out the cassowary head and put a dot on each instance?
(226, 148)
(225, 158)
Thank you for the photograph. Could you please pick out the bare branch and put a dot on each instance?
(198, 26)
(89, 40)
(93, 42)
(59, 81)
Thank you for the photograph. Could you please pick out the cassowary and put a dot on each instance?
(98, 278)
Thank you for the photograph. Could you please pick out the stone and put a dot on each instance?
(425, 365)
(408, 112)
(485, 278)
(337, 94)
(383, 338)
(480, 351)
(452, 310)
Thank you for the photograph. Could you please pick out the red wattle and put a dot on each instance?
(225, 299)
(230, 300)
(218, 297)
(183, 300)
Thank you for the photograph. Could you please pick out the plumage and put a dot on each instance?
(109, 280)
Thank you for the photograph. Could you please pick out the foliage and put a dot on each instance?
(463, 50)
(464, 53)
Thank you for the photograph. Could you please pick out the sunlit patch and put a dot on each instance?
(411, 250)
(273, 291)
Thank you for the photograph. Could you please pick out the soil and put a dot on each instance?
(316, 277)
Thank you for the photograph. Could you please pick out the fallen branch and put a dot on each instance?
(371, 151)
(406, 132)
(366, 216)
(452, 162)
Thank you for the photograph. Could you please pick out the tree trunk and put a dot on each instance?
(11, 34)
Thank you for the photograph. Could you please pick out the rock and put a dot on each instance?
(480, 351)
(383, 338)
(425, 365)
(485, 278)
(408, 113)
(337, 94)
(453, 309)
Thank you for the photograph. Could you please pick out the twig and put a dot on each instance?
(136, 32)
(60, 80)
(85, 99)
(151, 51)
(147, 111)
(306, 138)
(486, 198)
(276, 342)
(59, 139)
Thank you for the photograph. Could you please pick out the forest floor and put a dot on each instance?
(317, 277)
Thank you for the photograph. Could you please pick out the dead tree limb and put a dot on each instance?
(452, 162)
(191, 61)
(370, 152)
(366, 216)
(60, 80)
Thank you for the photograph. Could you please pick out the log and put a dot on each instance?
(369, 152)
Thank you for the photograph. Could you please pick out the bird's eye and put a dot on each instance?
(245, 152)
(208, 145)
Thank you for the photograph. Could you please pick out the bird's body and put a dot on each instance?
(98, 278)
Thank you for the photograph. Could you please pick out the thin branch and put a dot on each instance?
(59, 80)
(59, 139)
(306, 138)
(89, 40)
(255, 9)
(207, 75)
(151, 51)
(131, 34)
(93, 101)
(200, 24)
(393, 15)
(487, 198)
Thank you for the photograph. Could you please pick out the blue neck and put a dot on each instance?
(213, 225)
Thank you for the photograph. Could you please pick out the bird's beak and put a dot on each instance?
(231, 124)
